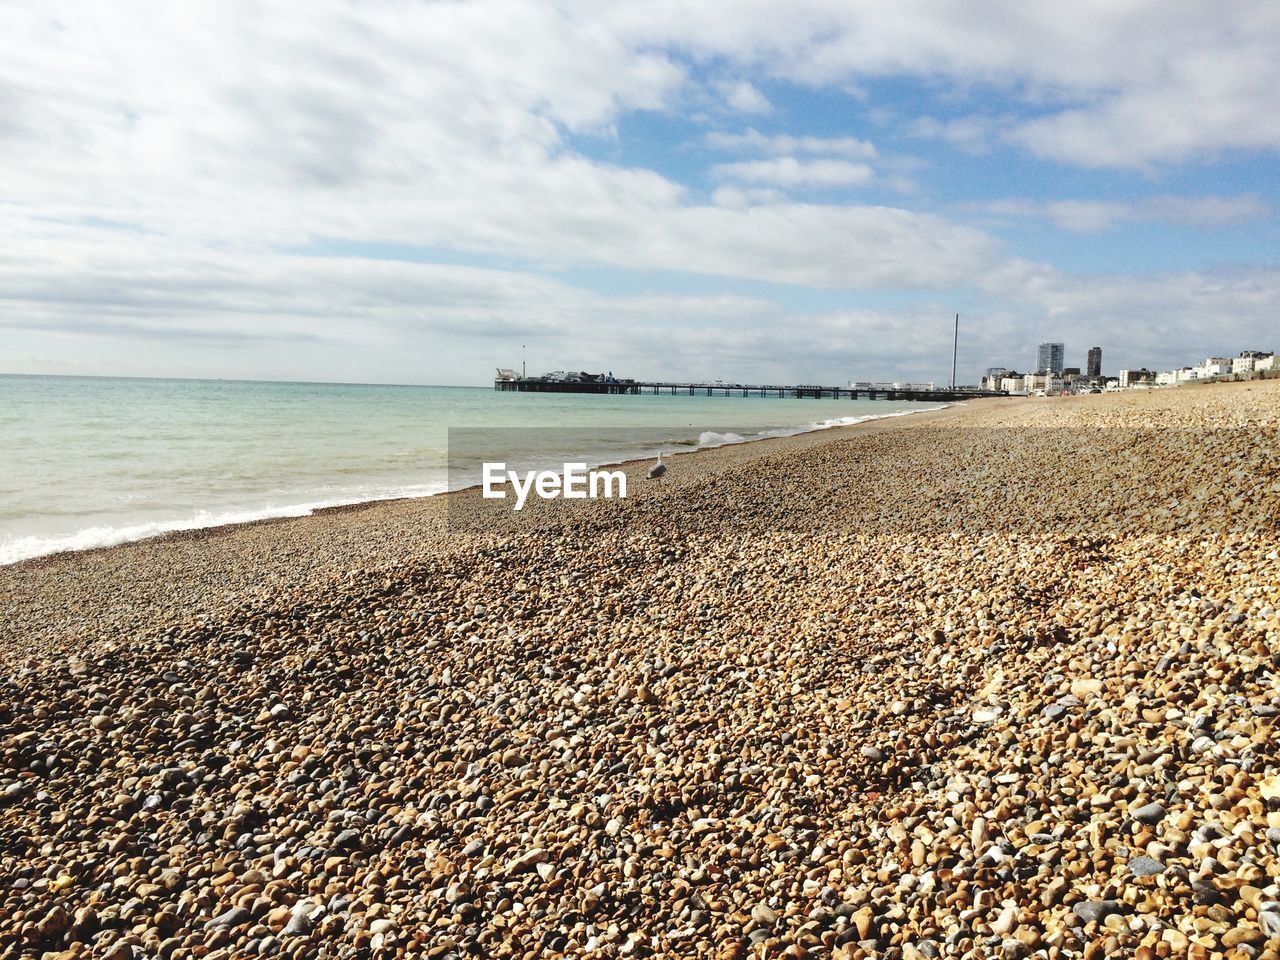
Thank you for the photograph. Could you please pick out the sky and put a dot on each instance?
(783, 191)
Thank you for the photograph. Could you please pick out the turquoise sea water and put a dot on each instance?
(89, 461)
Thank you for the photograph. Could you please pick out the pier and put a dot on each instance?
(869, 391)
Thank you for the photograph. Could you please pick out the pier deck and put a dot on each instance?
(874, 391)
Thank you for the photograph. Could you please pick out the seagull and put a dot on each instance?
(658, 469)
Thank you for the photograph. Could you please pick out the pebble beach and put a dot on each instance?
(997, 681)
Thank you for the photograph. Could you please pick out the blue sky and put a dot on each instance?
(802, 191)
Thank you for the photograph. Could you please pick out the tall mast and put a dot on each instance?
(955, 345)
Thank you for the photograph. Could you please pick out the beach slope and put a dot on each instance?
(997, 681)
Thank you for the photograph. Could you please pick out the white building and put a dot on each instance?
(1213, 367)
(1045, 383)
(1249, 361)
(1013, 384)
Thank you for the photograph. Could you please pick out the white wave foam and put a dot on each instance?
(844, 422)
(17, 549)
(709, 439)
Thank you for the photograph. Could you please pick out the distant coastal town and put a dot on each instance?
(1053, 378)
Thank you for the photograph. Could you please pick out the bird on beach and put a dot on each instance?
(658, 469)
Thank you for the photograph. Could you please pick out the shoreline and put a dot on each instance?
(217, 567)
(182, 532)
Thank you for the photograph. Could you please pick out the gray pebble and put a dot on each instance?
(234, 917)
(299, 925)
(1095, 911)
(1269, 914)
(346, 839)
(1145, 867)
(1150, 814)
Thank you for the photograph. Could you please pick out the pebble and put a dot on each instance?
(761, 913)
(1150, 814)
(299, 924)
(346, 840)
(1269, 916)
(1145, 867)
(1007, 920)
(1094, 911)
(235, 917)
(1241, 935)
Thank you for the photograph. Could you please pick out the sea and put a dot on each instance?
(96, 461)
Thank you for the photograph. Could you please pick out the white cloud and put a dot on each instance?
(973, 134)
(790, 172)
(1081, 216)
(1205, 211)
(200, 312)
(741, 198)
(743, 97)
(1158, 321)
(148, 304)
(1130, 85)
(752, 140)
(1205, 99)
(156, 159)
(839, 162)
(439, 125)
(1093, 216)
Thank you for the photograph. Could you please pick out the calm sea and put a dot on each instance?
(90, 461)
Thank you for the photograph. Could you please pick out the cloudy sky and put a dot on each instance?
(776, 190)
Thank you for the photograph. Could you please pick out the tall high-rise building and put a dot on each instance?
(1050, 358)
(1095, 362)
